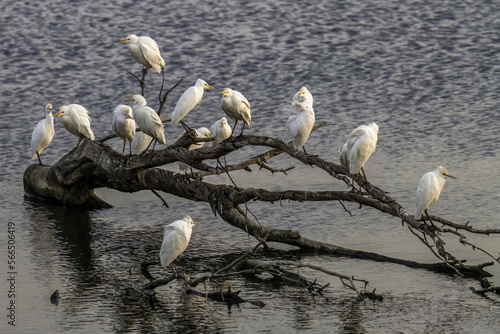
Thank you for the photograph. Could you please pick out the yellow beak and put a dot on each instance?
(123, 39)
(448, 175)
(58, 114)
(194, 223)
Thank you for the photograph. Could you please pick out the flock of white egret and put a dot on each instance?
(354, 153)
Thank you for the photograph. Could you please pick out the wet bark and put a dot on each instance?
(93, 164)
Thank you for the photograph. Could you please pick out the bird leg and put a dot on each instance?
(174, 268)
(187, 128)
(241, 134)
(123, 151)
(130, 147)
(304, 149)
(40, 160)
(147, 148)
(234, 127)
(425, 211)
(362, 170)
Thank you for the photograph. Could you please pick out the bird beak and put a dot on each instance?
(448, 175)
(378, 136)
(128, 100)
(123, 39)
(301, 93)
(128, 116)
(57, 114)
(195, 223)
(210, 86)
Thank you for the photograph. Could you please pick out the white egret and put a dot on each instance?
(147, 119)
(123, 125)
(145, 51)
(188, 100)
(43, 133)
(202, 132)
(141, 142)
(236, 107)
(300, 123)
(175, 240)
(303, 95)
(429, 189)
(359, 147)
(220, 130)
(75, 119)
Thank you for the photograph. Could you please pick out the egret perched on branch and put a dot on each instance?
(123, 125)
(145, 51)
(175, 240)
(303, 95)
(429, 189)
(43, 133)
(188, 100)
(300, 122)
(147, 119)
(75, 119)
(359, 147)
(236, 107)
(202, 132)
(220, 130)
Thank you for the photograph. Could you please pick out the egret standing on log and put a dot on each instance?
(429, 189)
(220, 130)
(300, 122)
(75, 119)
(188, 100)
(145, 51)
(123, 125)
(42, 134)
(236, 107)
(359, 147)
(175, 240)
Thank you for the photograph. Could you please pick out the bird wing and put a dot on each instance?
(424, 194)
(188, 100)
(151, 53)
(344, 156)
(175, 241)
(155, 126)
(41, 137)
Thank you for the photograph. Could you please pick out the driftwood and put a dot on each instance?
(93, 164)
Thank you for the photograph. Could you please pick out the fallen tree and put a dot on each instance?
(94, 164)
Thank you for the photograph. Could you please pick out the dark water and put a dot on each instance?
(427, 73)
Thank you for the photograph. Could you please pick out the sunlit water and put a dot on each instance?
(426, 73)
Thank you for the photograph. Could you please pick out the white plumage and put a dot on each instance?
(175, 239)
(236, 107)
(145, 51)
(202, 132)
(123, 125)
(141, 142)
(429, 188)
(359, 147)
(220, 130)
(43, 133)
(147, 119)
(188, 100)
(75, 119)
(300, 122)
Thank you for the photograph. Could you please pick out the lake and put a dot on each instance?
(426, 72)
